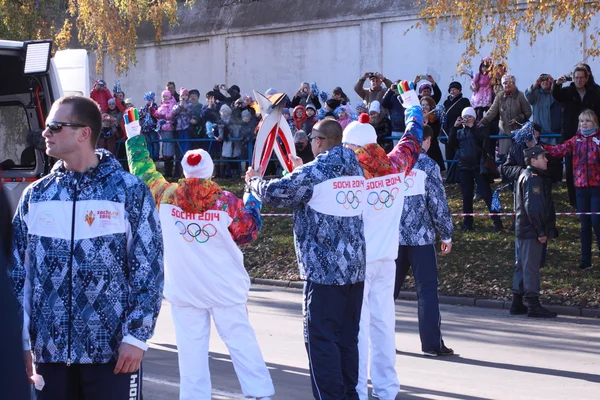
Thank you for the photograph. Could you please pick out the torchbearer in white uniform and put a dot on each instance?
(204, 269)
(385, 191)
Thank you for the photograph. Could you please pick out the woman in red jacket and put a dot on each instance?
(585, 149)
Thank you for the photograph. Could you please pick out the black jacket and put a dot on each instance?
(453, 109)
(391, 103)
(534, 205)
(469, 143)
(573, 105)
(515, 164)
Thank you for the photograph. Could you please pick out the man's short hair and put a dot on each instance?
(170, 83)
(581, 68)
(84, 111)
(427, 132)
(300, 136)
(331, 130)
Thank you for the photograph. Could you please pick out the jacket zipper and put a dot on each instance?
(70, 271)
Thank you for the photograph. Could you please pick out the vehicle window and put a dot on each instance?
(16, 142)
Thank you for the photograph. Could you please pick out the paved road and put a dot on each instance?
(498, 356)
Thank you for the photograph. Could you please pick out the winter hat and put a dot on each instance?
(129, 100)
(149, 96)
(112, 101)
(100, 82)
(235, 88)
(225, 109)
(195, 91)
(333, 103)
(455, 85)
(311, 105)
(197, 164)
(184, 91)
(375, 107)
(166, 93)
(361, 107)
(360, 133)
(246, 113)
(270, 92)
(425, 85)
(286, 111)
(525, 134)
(468, 111)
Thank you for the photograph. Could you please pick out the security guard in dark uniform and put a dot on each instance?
(535, 225)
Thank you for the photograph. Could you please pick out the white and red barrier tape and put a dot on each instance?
(469, 215)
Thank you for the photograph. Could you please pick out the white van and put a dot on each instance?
(29, 84)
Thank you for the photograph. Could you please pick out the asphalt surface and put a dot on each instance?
(498, 356)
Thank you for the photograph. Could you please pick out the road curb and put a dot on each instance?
(452, 300)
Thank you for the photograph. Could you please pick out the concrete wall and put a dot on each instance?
(333, 50)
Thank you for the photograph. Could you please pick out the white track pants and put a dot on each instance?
(192, 330)
(377, 333)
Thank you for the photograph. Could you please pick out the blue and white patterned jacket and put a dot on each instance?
(330, 249)
(424, 215)
(87, 263)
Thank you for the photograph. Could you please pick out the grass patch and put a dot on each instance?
(481, 262)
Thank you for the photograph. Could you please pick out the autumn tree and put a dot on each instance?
(102, 25)
(498, 22)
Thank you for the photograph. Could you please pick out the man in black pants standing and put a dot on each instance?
(87, 264)
(328, 196)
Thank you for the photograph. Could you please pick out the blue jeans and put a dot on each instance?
(153, 148)
(183, 134)
(588, 200)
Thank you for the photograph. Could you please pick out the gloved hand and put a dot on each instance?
(132, 123)
(408, 94)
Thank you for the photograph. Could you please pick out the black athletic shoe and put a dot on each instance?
(444, 351)
(466, 228)
(585, 266)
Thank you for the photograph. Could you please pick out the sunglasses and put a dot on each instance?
(55, 127)
(310, 138)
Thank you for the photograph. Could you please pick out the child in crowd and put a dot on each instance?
(164, 115)
(343, 115)
(311, 119)
(106, 140)
(182, 112)
(481, 85)
(299, 118)
(232, 146)
(148, 125)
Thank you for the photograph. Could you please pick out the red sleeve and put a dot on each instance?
(561, 150)
(246, 220)
(120, 104)
(406, 153)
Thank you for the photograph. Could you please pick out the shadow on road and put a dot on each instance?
(287, 380)
(457, 359)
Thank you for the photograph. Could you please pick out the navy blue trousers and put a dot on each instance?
(331, 323)
(88, 382)
(423, 261)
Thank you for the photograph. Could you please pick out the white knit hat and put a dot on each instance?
(470, 111)
(360, 133)
(197, 164)
(375, 106)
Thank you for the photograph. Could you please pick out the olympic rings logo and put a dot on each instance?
(382, 199)
(409, 182)
(194, 231)
(348, 199)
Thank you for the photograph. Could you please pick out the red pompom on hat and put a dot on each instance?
(360, 133)
(197, 164)
(364, 118)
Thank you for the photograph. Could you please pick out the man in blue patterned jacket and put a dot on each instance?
(425, 213)
(328, 196)
(87, 264)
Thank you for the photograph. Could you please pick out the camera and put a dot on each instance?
(544, 77)
(568, 78)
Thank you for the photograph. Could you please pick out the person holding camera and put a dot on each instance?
(575, 98)
(428, 87)
(375, 92)
(304, 96)
(470, 140)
